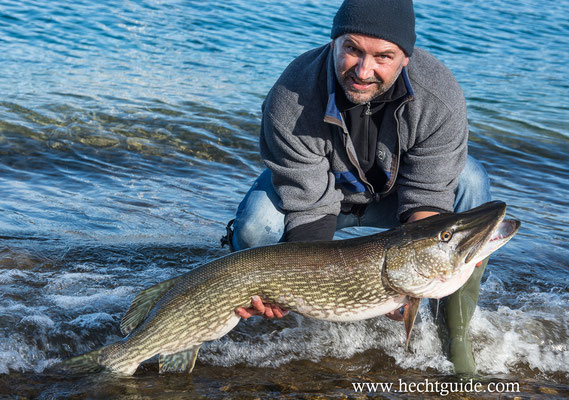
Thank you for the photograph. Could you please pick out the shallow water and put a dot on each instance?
(128, 136)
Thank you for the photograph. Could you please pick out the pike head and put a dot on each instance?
(435, 256)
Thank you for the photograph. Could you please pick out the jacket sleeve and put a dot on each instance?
(301, 175)
(430, 168)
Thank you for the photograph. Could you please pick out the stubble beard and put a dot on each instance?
(363, 96)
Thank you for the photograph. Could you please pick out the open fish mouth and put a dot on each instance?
(506, 229)
(503, 232)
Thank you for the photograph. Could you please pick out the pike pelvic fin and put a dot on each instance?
(409, 316)
(182, 361)
(143, 303)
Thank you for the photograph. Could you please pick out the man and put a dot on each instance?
(366, 130)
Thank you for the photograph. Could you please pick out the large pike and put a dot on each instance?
(342, 280)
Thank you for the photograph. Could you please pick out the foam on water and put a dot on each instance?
(426, 349)
(16, 355)
(506, 338)
(313, 340)
(73, 280)
(94, 301)
(96, 320)
(40, 320)
(308, 340)
(8, 276)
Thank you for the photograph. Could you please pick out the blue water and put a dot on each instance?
(128, 136)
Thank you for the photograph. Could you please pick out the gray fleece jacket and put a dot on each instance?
(422, 143)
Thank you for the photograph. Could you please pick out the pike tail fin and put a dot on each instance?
(87, 363)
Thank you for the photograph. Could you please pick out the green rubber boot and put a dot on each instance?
(459, 308)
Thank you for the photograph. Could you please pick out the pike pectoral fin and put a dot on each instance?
(182, 361)
(409, 316)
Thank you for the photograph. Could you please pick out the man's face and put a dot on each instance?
(366, 67)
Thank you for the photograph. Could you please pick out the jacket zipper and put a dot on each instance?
(366, 114)
(390, 184)
(353, 159)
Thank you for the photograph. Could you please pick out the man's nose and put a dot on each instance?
(364, 68)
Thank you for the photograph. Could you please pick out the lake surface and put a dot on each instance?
(128, 136)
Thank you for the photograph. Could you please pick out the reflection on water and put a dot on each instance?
(128, 135)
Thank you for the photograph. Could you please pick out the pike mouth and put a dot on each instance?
(505, 230)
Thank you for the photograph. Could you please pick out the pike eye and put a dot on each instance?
(445, 236)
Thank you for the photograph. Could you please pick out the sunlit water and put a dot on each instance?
(128, 136)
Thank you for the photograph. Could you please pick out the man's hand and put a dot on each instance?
(268, 310)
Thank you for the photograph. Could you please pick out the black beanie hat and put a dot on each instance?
(391, 20)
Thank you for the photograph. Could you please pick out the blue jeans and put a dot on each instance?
(259, 221)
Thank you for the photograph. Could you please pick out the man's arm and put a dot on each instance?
(295, 149)
(437, 150)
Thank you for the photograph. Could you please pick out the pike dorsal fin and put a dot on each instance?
(182, 361)
(143, 303)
